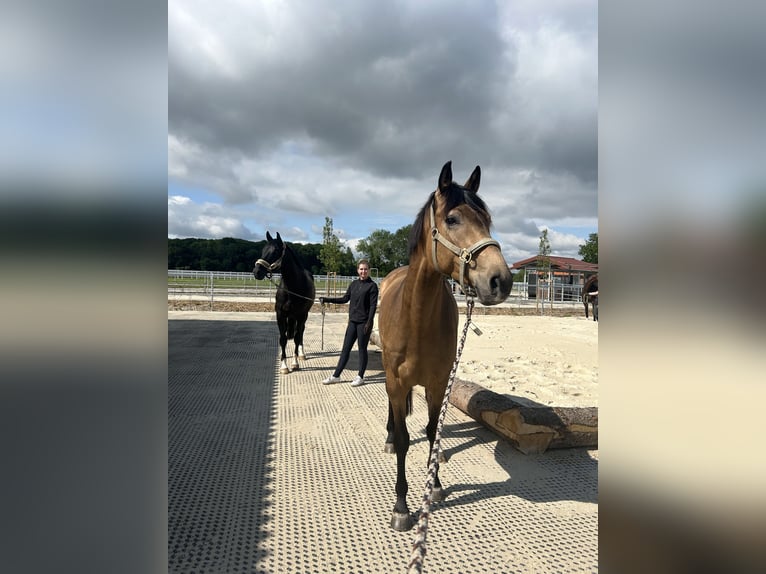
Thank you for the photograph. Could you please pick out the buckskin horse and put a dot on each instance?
(418, 315)
(294, 298)
(590, 295)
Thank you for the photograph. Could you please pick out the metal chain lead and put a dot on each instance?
(419, 543)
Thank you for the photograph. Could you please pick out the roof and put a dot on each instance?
(561, 263)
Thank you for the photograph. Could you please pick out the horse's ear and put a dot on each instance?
(279, 239)
(473, 182)
(445, 177)
(268, 237)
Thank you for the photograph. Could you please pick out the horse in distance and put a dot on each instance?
(590, 295)
(294, 298)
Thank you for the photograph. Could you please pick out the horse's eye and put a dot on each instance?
(452, 220)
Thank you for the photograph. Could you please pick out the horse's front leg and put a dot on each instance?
(401, 519)
(389, 448)
(283, 361)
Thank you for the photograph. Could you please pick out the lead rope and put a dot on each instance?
(419, 543)
(321, 348)
(286, 290)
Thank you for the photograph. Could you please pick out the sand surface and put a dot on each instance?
(542, 360)
(539, 359)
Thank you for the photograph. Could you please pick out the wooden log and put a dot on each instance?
(531, 429)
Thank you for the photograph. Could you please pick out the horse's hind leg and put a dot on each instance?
(295, 366)
(299, 352)
(300, 327)
(437, 495)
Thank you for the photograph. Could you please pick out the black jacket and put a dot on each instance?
(363, 296)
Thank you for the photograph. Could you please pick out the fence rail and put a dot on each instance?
(224, 285)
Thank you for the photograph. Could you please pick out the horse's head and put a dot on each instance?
(456, 223)
(271, 257)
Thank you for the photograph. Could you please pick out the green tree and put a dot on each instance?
(543, 269)
(544, 251)
(386, 250)
(589, 250)
(331, 253)
(347, 263)
(401, 247)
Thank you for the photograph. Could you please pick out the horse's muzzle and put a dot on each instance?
(496, 289)
(259, 272)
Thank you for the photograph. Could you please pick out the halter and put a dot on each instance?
(464, 254)
(272, 266)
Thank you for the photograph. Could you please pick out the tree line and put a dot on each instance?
(240, 255)
(384, 249)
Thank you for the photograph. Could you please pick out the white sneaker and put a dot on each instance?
(357, 382)
(330, 380)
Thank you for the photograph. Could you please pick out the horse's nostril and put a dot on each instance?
(495, 283)
(500, 284)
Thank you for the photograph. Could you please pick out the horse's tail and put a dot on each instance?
(291, 327)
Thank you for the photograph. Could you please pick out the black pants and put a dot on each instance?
(354, 332)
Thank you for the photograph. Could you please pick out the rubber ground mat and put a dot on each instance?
(279, 473)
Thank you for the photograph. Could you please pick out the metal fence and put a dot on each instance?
(227, 285)
(220, 285)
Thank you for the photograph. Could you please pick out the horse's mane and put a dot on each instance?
(298, 259)
(455, 195)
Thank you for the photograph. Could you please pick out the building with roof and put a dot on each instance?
(563, 281)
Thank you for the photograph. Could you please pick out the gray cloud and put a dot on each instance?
(375, 97)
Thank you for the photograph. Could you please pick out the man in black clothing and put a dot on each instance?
(363, 295)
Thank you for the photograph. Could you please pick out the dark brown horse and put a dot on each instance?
(418, 314)
(590, 295)
(295, 294)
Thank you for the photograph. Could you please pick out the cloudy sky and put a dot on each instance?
(283, 113)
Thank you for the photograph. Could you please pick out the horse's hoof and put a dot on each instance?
(401, 522)
(438, 494)
(389, 448)
(302, 357)
(443, 457)
(296, 367)
(284, 371)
